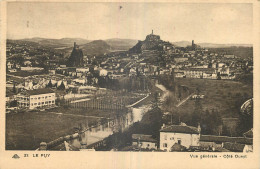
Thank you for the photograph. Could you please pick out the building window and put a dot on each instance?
(52, 101)
(179, 141)
(39, 103)
(165, 137)
(164, 144)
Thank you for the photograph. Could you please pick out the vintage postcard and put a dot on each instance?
(129, 84)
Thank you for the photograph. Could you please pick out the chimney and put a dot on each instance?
(199, 128)
(75, 45)
(152, 31)
(163, 126)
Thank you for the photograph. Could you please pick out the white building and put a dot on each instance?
(39, 98)
(179, 60)
(82, 70)
(103, 72)
(181, 134)
(82, 81)
(31, 68)
(199, 72)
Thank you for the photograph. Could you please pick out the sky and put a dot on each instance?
(202, 22)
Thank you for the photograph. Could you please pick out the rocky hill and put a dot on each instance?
(151, 42)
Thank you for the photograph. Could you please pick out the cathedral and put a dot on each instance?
(76, 57)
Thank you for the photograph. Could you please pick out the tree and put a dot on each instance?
(156, 98)
(14, 88)
(215, 121)
(196, 115)
(18, 59)
(246, 119)
(49, 85)
(205, 126)
(62, 86)
(13, 103)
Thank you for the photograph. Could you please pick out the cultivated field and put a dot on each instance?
(25, 131)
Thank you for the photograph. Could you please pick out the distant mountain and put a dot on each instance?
(96, 47)
(182, 43)
(57, 42)
(209, 45)
(35, 39)
(116, 44)
(212, 45)
(121, 44)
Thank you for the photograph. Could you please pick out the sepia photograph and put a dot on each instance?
(129, 77)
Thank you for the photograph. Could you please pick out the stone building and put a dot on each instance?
(76, 57)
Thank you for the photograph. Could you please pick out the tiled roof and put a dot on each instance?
(221, 139)
(39, 91)
(142, 137)
(180, 129)
(201, 69)
(234, 147)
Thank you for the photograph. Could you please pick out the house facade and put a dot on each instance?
(184, 135)
(199, 72)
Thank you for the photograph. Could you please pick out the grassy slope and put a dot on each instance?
(25, 131)
(219, 95)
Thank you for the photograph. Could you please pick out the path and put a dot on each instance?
(165, 91)
(184, 100)
(76, 115)
(138, 101)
